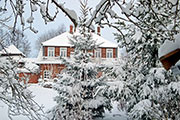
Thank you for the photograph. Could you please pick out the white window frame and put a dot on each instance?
(109, 53)
(46, 74)
(63, 52)
(51, 51)
(97, 53)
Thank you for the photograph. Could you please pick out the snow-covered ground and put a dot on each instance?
(44, 96)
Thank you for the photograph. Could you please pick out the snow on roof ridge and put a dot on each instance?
(63, 40)
(12, 50)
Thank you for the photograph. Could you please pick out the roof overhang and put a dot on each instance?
(170, 59)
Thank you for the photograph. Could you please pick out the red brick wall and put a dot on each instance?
(54, 68)
(33, 77)
(93, 54)
(45, 51)
(103, 52)
(114, 53)
(57, 51)
(68, 51)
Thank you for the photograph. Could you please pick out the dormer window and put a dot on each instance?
(109, 53)
(97, 53)
(63, 52)
(51, 52)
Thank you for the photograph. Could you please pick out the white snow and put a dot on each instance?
(11, 50)
(29, 65)
(49, 61)
(169, 46)
(114, 114)
(141, 108)
(43, 9)
(30, 19)
(112, 13)
(63, 40)
(45, 96)
(137, 36)
(34, 7)
(72, 13)
(127, 8)
(40, 54)
(173, 1)
(33, 60)
(98, 7)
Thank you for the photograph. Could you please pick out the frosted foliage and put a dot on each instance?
(147, 96)
(14, 93)
(29, 67)
(173, 1)
(127, 8)
(175, 86)
(143, 26)
(81, 92)
(43, 10)
(140, 109)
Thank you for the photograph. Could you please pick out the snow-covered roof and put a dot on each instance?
(63, 40)
(49, 62)
(29, 66)
(169, 46)
(11, 50)
(33, 60)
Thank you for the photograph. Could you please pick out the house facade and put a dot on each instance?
(48, 65)
(51, 52)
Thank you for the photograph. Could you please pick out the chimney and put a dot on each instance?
(71, 29)
(99, 30)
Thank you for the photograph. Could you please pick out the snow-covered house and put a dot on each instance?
(26, 67)
(28, 70)
(51, 52)
(169, 54)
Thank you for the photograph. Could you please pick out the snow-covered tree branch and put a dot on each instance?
(13, 91)
(15, 94)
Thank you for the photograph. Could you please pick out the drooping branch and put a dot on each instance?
(73, 20)
(97, 11)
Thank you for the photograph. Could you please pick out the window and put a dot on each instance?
(63, 52)
(50, 51)
(109, 53)
(97, 53)
(46, 74)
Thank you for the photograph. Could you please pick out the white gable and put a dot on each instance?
(63, 40)
(11, 50)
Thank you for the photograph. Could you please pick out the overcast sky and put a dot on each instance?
(39, 24)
